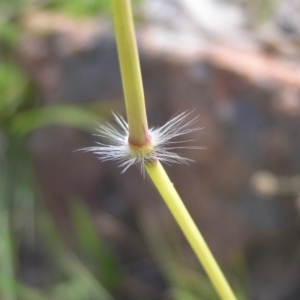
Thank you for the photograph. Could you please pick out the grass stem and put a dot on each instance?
(130, 72)
(139, 137)
(190, 230)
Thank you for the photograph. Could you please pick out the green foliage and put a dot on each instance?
(68, 115)
(19, 116)
(13, 84)
(186, 280)
(78, 281)
(80, 8)
(94, 249)
(17, 208)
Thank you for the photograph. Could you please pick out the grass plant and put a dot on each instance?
(136, 143)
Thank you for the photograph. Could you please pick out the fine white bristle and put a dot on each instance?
(163, 143)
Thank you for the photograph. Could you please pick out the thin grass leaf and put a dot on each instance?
(69, 115)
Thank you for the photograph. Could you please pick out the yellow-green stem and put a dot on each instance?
(138, 138)
(130, 72)
(190, 230)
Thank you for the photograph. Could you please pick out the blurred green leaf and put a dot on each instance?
(7, 277)
(80, 8)
(9, 34)
(28, 293)
(185, 281)
(12, 86)
(79, 283)
(83, 285)
(179, 294)
(32, 119)
(93, 247)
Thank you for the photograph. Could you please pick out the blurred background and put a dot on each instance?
(74, 228)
